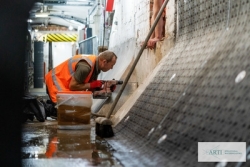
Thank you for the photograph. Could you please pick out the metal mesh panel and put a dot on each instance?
(199, 94)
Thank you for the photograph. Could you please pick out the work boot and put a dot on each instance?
(53, 113)
(32, 106)
(50, 109)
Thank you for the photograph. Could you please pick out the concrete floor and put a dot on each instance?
(43, 144)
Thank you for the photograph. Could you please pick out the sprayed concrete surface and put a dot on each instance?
(199, 92)
(43, 144)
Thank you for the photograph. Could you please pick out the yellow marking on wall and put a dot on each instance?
(58, 37)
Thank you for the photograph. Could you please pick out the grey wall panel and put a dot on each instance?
(200, 93)
(38, 65)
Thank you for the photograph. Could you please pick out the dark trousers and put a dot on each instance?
(50, 101)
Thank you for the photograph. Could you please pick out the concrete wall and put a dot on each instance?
(131, 25)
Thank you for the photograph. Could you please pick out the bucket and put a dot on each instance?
(74, 109)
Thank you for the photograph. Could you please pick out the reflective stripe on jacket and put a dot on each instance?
(58, 78)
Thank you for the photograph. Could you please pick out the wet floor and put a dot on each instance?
(43, 144)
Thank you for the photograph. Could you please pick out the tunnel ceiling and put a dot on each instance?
(61, 14)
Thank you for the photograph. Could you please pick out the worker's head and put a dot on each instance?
(107, 60)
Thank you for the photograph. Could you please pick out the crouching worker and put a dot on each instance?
(78, 73)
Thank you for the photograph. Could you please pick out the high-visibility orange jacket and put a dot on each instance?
(58, 78)
(52, 148)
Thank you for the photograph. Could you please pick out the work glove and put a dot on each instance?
(96, 84)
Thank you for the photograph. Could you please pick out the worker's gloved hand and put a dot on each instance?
(96, 84)
(112, 88)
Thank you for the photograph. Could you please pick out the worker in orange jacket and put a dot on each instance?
(78, 73)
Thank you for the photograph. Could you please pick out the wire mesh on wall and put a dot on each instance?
(200, 93)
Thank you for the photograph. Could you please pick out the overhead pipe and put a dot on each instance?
(98, 4)
(81, 21)
(69, 3)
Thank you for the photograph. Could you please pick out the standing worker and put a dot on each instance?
(78, 73)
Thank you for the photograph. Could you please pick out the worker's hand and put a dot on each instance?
(96, 84)
(112, 88)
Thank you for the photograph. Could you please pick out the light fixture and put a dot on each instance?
(72, 3)
(42, 14)
(79, 2)
(70, 28)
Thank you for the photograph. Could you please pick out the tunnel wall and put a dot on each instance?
(131, 25)
(126, 38)
(200, 92)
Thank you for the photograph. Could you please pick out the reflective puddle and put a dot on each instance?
(43, 144)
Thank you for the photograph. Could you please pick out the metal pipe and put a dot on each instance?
(86, 39)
